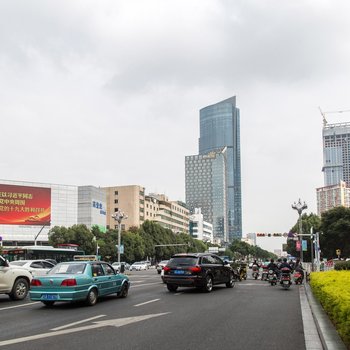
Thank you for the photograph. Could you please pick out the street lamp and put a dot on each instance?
(299, 207)
(118, 217)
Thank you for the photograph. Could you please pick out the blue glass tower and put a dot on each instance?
(220, 127)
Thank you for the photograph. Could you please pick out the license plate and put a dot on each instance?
(285, 282)
(179, 272)
(49, 296)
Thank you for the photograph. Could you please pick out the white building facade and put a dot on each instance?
(199, 228)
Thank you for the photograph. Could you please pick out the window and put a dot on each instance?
(116, 201)
(116, 193)
(97, 270)
(108, 269)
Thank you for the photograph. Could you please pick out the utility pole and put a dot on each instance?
(299, 207)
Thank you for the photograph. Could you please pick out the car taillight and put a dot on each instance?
(70, 282)
(166, 268)
(195, 269)
(35, 283)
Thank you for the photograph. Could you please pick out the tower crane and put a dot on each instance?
(324, 114)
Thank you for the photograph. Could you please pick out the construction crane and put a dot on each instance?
(324, 114)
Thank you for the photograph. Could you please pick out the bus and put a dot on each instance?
(42, 252)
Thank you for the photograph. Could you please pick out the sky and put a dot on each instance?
(108, 93)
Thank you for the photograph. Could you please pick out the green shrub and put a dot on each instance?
(332, 289)
(342, 265)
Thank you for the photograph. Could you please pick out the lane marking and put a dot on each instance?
(146, 302)
(75, 323)
(119, 322)
(13, 307)
(179, 293)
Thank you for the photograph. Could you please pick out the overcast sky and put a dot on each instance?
(108, 92)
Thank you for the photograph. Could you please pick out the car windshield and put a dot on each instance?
(68, 268)
(18, 263)
(183, 261)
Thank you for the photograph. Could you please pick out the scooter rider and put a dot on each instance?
(299, 267)
(273, 266)
(285, 264)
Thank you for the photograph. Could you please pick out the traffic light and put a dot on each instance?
(260, 234)
(277, 234)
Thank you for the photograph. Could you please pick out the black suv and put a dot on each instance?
(200, 270)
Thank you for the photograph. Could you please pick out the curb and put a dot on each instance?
(328, 334)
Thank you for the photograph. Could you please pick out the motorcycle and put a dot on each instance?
(243, 272)
(285, 279)
(272, 277)
(298, 277)
(264, 274)
(255, 273)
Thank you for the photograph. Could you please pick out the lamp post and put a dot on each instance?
(299, 207)
(118, 217)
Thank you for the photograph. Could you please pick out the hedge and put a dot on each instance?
(332, 289)
(342, 265)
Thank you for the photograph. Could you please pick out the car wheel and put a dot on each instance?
(171, 287)
(48, 303)
(91, 298)
(208, 287)
(231, 282)
(20, 289)
(124, 291)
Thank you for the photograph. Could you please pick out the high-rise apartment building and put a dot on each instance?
(332, 196)
(336, 153)
(220, 128)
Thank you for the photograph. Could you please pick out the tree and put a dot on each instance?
(335, 228)
(77, 234)
(307, 221)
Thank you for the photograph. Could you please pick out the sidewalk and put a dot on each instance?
(313, 313)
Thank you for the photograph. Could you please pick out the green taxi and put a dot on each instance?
(78, 281)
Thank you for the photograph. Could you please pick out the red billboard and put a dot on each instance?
(25, 205)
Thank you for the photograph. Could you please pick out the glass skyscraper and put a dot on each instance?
(206, 189)
(219, 130)
(220, 127)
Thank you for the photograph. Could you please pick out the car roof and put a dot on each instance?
(192, 255)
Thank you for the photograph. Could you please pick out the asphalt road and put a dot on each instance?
(252, 315)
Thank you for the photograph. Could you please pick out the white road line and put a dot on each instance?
(147, 302)
(179, 293)
(13, 307)
(114, 323)
(75, 323)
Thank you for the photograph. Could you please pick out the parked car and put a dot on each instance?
(78, 280)
(138, 266)
(36, 267)
(14, 280)
(161, 265)
(200, 270)
(117, 266)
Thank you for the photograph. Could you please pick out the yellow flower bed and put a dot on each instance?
(332, 289)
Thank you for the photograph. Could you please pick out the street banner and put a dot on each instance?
(298, 246)
(304, 244)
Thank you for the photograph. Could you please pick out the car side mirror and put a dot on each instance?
(226, 262)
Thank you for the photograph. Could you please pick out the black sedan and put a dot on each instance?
(200, 270)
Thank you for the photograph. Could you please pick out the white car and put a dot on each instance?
(14, 280)
(138, 266)
(36, 267)
(117, 266)
(161, 265)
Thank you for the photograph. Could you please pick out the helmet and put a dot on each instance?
(284, 259)
(272, 260)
